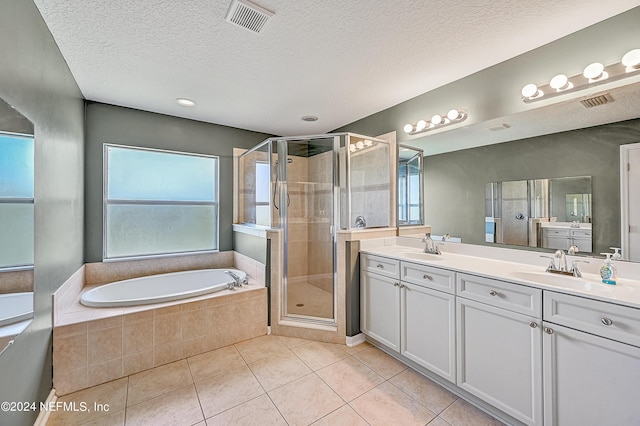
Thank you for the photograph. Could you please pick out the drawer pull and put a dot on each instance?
(427, 277)
(379, 265)
(396, 284)
(493, 293)
(548, 330)
(533, 324)
(606, 321)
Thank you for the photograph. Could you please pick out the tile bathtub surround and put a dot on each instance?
(263, 381)
(91, 352)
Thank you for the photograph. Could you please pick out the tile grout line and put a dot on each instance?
(195, 387)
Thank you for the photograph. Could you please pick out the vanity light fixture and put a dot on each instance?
(360, 145)
(185, 102)
(593, 74)
(437, 121)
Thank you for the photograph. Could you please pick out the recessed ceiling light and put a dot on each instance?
(185, 102)
(309, 118)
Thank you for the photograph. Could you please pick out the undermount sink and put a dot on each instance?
(422, 256)
(587, 283)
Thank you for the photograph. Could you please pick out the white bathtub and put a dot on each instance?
(160, 288)
(15, 307)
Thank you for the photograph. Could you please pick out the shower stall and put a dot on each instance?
(309, 188)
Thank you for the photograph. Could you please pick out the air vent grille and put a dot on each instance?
(248, 15)
(596, 100)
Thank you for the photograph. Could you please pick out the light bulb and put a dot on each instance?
(531, 91)
(408, 128)
(595, 72)
(421, 125)
(631, 60)
(454, 114)
(359, 145)
(352, 147)
(436, 119)
(560, 82)
(367, 142)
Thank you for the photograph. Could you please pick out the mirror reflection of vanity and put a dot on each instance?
(16, 223)
(554, 213)
(410, 186)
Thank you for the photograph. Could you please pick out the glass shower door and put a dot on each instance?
(307, 209)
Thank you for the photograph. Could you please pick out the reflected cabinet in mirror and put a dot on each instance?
(554, 213)
(410, 181)
(16, 223)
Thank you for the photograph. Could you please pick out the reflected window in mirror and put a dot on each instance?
(16, 223)
(553, 213)
(410, 186)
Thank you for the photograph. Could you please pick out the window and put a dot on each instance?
(16, 201)
(262, 193)
(159, 202)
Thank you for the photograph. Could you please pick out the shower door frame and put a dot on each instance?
(282, 190)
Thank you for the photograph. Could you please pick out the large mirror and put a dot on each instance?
(553, 213)
(410, 190)
(16, 223)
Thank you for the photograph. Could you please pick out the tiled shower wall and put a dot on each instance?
(370, 186)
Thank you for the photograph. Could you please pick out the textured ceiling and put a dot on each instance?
(339, 60)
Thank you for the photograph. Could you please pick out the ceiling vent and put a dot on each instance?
(248, 15)
(596, 100)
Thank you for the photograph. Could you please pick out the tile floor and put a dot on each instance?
(273, 380)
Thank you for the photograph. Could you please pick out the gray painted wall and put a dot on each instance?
(35, 78)
(455, 182)
(125, 126)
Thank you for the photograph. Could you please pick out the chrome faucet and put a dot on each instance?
(560, 261)
(573, 250)
(558, 264)
(237, 282)
(429, 245)
(361, 222)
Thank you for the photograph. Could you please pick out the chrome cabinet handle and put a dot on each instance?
(396, 284)
(379, 265)
(427, 277)
(606, 321)
(548, 330)
(533, 324)
(493, 293)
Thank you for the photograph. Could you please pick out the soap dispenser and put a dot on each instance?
(616, 255)
(608, 271)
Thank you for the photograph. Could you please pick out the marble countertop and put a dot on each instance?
(626, 292)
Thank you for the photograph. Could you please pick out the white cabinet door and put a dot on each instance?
(589, 380)
(428, 329)
(500, 359)
(380, 309)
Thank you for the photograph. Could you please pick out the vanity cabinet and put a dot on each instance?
(409, 313)
(591, 362)
(499, 344)
(563, 238)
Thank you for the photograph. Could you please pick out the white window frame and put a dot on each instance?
(106, 202)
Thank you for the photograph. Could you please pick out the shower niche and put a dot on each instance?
(308, 188)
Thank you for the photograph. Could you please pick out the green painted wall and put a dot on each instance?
(125, 126)
(34, 77)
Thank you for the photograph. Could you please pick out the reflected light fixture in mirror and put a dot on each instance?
(593, 74)
(437, 121)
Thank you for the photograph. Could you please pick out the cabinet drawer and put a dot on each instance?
(426, 276)
(556, 232)
(380, 265)
(580, 233)
(514, 297)
(604, 319)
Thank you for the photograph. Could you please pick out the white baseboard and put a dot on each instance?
(42, 418)
(355, 340)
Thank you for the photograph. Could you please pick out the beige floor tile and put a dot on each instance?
(261, 347)
(355, 349)
(176, 408)
(111, 419)
(438, 421)
(112, 393)
(343, 416)
(381, 363)
(386, 405)
(318, 355)
(350, 378)
(292, 342)
(215, 362)
(277, 371)
(259, 411)
(461, 413)
(227, 390)
(305, 400)
(425, 391)
(158, 381)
